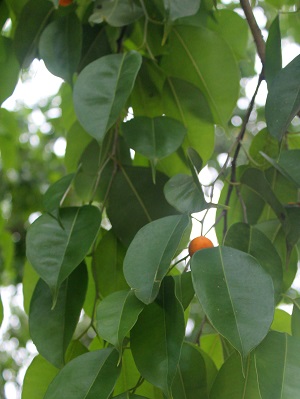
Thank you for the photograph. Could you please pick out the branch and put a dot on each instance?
(239, 140)
(256, 32)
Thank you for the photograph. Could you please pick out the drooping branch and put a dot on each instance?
(255, 30)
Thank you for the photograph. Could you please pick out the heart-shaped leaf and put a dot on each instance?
(102, 89)
(56, 247)
(51, 330)
(236, 294)
(92, 374)
(116, 315)
(149, 255)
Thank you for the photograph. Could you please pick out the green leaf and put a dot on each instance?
(295, 322)
(71, 236)
(116, 315)
(102, 89)
(51, 330)
(237, 296)
(140, 203)
(56, 192)
(233, 28)
(60, 46)
(156, 346)
(211, 345)
(289, 162)
(38, 376)
(117, 12)
(149, 255)
(155, 138)
(190, 381)
(277, 369)
(281, 322)
(263, 142)
(201, 67)
(283, 101)
(108, 263)
(185, 102)
(77, 139)
(182, 193)
(273, 63)
(184, 288)
(9, 68)
(257, 182)
(33, 19)
(126, 395)
(230, 383)
(181, 8)
(93, 375)
(249, 239)
(29, 281)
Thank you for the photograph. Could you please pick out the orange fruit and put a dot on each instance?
(65, 3)
(199, 243)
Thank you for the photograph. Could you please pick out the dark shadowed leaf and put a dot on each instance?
(184, 288)
(273, 63)
(9, 68)
(60, 46)
(296, 318)
(52, 329)
(56, 192)
(116, 315)
(283, 101)
(149, 255)
(56, 247)
(236, 294)
(92, 374)
(102, 89)
(157, 337)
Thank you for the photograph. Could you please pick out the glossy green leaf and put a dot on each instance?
(38, 376)
(277, 369)
(184, 288)
(249, 239)
(156, 346)
(140, 203)
(34, 17)
(155, 138)
(257, 182)
(185, 102)
(281, 321)
(52, 329)
(273, 63)
(283, 101)
(230, 382)
(93, 374)
(236, 294)
(182, 193)
(9, 68)
(60, 46)
(71, 236)
(181, 8)
(108, 263)
(116, 315)
(56, 192)
(295, 321)
(233, 28)
(201, 66)
(149, 255)
(117, 13)
(102, 89)
(190, 381)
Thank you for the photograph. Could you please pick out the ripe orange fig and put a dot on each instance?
(199, 243)
(65, 3)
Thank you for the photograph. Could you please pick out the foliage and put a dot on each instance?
(148, 103)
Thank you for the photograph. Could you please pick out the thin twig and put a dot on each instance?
(255, 30)
(239, 140)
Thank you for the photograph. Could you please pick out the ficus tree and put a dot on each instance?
(116, 306)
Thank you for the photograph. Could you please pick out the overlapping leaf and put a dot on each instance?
(56, 192)
(93, 374)
(117, 13)
(56, 247)
(149, 256)
(102, 89)
(52, 329)
(273, 62)
(236, 294)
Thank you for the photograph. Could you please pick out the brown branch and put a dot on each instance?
(239, 140)
(256, 32)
